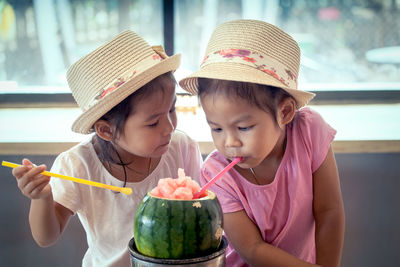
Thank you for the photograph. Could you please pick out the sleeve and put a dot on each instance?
(65, 192)
(318, 136)
(226, 188)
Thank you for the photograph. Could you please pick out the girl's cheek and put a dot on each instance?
(219, 143)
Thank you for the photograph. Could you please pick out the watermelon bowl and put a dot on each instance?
(216, 259)
(178, 229)
(170, 226)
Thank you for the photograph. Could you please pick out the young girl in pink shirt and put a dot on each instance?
(282, 204)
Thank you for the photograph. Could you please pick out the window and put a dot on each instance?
(346, 45)
(40, 39)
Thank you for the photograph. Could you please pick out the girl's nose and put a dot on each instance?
(169, 125)
(232, 141)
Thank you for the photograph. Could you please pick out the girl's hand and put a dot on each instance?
(31, 183)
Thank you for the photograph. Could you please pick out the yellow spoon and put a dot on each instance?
(124, 190)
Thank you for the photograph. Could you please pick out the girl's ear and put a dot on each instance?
(286, 111)
(103, 130)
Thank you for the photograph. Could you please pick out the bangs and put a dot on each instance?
(266, 98)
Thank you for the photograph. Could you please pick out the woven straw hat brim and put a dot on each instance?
(251, 51)
(240, 73)
(85, 121)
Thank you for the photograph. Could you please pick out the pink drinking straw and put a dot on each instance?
(213, 180)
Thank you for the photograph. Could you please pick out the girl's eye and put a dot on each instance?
(172, 110)
(153, 124)
(245, 128)
(217, 130)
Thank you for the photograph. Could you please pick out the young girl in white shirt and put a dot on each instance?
(126, 91)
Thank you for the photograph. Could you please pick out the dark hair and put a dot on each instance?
(270, 96)
(117, 115)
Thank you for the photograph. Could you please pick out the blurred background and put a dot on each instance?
(342, 41)
(350, 59)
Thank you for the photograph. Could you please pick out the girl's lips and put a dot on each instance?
(163, 148)
(165, 144)
(241, 157)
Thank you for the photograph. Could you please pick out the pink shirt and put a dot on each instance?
(283, 209)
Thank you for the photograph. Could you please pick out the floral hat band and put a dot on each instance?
(251, 51)
(255, 60)
(128, 75)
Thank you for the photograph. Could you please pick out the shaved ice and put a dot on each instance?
(182, 187)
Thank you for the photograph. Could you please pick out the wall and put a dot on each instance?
(370, 184)
(17, 247)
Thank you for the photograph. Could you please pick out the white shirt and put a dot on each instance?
(107, 216)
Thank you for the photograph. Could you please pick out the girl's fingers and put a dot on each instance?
(36, 170)
(38, 189)
(18, 172)
(27, 165)
(27, 162)
(25, 177)
(31, 183)
(35, 186)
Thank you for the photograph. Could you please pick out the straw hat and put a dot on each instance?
(103, 78)
(251, 51)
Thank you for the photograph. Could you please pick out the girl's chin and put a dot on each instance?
(246, 163)
(161, 150)
(243, 165)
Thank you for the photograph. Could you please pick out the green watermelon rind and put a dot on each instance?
(163, 230)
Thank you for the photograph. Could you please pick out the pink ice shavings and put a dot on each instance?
(182, 187)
